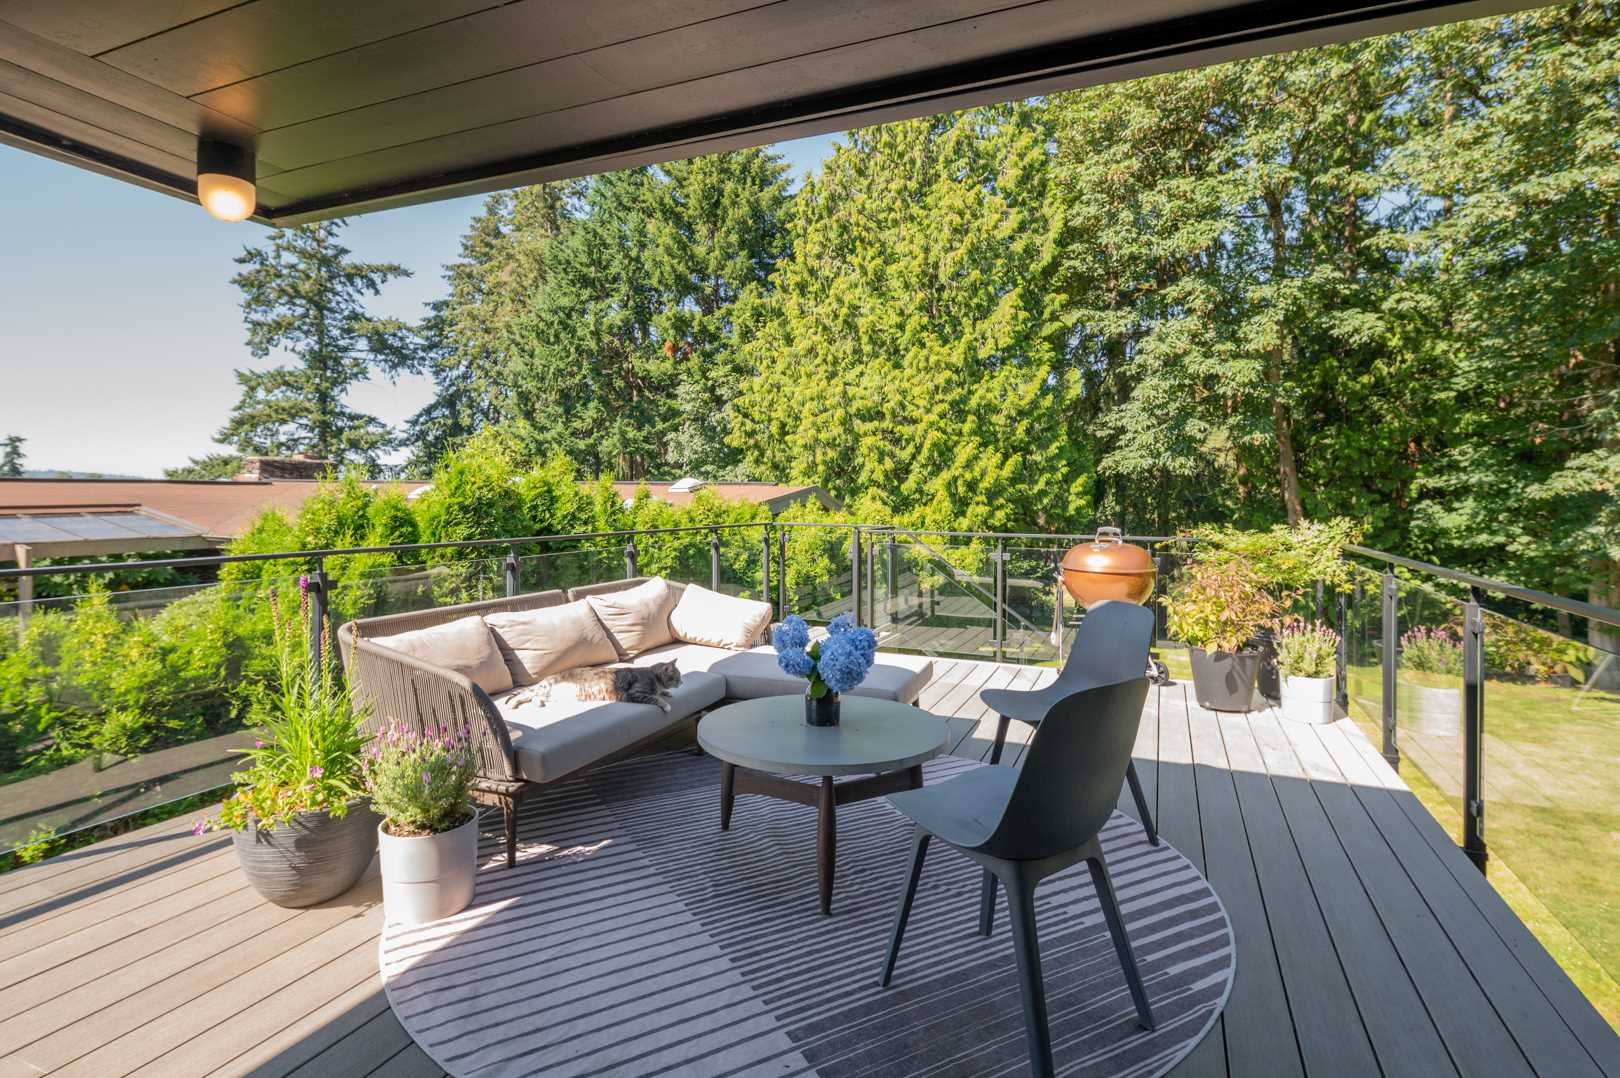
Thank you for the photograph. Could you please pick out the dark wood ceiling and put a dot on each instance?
(363, 104)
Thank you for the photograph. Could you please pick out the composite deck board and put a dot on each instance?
(1366, 942)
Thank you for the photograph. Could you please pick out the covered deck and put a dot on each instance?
(1367, 942)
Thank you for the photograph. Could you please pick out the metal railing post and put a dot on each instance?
(998, 631)
(765, 568)
(781, 572)
(855, 573)
(871, 587)
(1342, 660)
(315, 589)
(1474, 729)
(714, 561)
(1391, 628)
(630, 557)
(511, 567)
(894, 579)
(1057, 618)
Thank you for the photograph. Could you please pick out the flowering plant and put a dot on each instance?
(309, 757)
(837, 663)
(419, 781)
(1307, 650)
(1431, 651)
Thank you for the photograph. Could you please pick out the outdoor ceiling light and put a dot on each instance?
(225, 177)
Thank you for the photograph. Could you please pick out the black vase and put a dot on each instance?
(822, 712)
(310, 859)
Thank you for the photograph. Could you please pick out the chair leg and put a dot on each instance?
(987, 903)
(509, 808)
(1148, 825)
(1002, 722)
(1027, 949)
(1122, 942)
(919, 850)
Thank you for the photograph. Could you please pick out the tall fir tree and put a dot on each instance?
(12, 456)
(303, 295)
(911, 350)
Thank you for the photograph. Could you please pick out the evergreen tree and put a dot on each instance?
(301, 294)
(209, 466)
(466, 337)
(626, 358)
(11, 456)
(911, 349)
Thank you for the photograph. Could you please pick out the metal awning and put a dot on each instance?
(365, 104)
(56, 532)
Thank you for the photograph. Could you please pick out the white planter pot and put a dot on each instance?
(429, 876)
(1433, 712)
(1308, 699)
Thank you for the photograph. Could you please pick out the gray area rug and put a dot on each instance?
(636, 938)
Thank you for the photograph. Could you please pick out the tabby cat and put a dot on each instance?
(632, 684)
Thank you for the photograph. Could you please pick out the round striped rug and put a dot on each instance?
(634, 937)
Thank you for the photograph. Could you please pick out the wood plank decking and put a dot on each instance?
(1367, 944)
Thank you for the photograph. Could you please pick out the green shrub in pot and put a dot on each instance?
(1215, 605)
(303, 832)
(421, 784)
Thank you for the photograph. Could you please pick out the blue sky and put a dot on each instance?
(119, 327)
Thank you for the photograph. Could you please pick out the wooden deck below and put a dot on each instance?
(1367, 944)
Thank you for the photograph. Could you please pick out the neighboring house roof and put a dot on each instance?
(214, 510)
(773, 496)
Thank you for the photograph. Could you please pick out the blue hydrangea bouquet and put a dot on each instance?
(833, 665)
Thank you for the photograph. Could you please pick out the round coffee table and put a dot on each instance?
(758, 742)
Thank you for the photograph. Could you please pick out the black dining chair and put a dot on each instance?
(1025, 824)
(1112, 644)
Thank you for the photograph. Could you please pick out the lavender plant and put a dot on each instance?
(420, 781)
(1307, 650)
(1432, 651)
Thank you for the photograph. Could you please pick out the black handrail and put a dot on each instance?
(1602, 614)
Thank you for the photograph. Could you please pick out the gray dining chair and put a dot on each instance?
(1025, 824)
(1113, 643)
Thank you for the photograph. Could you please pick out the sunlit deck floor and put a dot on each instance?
(1367, 943)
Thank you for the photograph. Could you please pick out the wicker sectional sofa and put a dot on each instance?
(424, 668)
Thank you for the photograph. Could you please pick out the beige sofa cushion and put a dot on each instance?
(536, 643)
(722, 621)
(637, 619)
(562, 737)
(465, 646)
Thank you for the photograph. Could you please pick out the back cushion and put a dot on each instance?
(637, 618)
(465, 645)
(536, 643)
(721, 621)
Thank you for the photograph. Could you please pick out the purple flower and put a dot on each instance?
(316, 772)
(258, 744)
(427, 779)
(199, 827)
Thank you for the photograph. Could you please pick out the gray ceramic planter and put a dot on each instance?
(1223, 680)
(310, 859)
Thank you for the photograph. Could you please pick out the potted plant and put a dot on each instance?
(302, 829)
(1429, 696)
(1215, 605)
(833, 665)
(428, 838)
(1308, 658)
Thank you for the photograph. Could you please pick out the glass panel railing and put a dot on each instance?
(1551, 773)
(818, 574)
(1429, 700)
(1032, 606)
(1364, 652)
(561, 569)
(944, 599)
(113, 703)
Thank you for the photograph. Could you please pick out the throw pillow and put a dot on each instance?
(536, 643)
(720, 621)
(465, 646)
(636, 618)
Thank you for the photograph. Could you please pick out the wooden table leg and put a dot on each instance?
(728, 793)
(915, 775)
(826, 842)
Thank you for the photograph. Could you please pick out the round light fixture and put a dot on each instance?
(225, 175)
